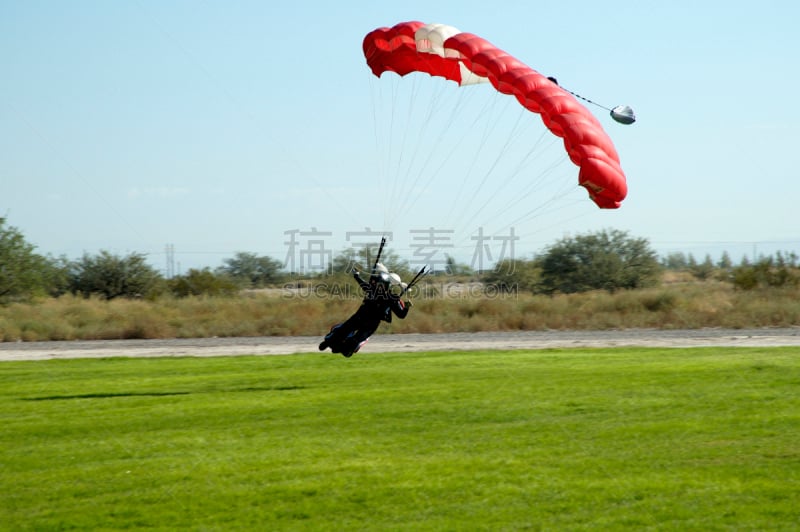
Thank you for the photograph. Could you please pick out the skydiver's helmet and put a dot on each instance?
(379, 270)
(397, 287)
(380, 274)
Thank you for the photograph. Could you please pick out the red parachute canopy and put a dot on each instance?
(465, 58)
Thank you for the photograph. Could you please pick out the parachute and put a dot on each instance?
(444, 51)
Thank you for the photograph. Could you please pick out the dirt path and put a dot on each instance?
(400, 342)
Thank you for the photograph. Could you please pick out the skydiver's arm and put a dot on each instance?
(361, 282)
(400, 308)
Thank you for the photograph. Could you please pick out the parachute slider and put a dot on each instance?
(623, 114)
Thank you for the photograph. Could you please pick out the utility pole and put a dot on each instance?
(170, 253)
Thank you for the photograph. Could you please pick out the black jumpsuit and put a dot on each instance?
(378, 305)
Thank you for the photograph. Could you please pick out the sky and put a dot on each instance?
(190, 131)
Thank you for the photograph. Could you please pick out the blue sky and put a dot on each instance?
(220, 127)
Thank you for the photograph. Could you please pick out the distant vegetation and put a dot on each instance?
(600, 280)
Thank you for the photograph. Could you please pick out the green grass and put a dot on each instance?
(602, 439)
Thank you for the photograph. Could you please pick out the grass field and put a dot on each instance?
(601, 439)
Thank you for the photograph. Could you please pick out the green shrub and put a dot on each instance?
(606, 260)
(202, 283)
(111, 276)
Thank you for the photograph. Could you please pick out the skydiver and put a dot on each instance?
(382, 298)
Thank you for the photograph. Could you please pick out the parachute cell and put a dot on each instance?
(444, 51)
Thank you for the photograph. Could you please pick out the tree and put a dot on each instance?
(202, 282)
(23, 273)
(766, 272)
(675, 261)
(608, 260)
(254, 270)
(703, 270)
(111, 276)
(725, 262)
(453, 267)
(724, 270)
(512, 276)
(346, 261)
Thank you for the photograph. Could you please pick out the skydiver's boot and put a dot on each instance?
(324, 344)
(359, 346)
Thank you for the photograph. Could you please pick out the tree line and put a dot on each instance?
(609, 260)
